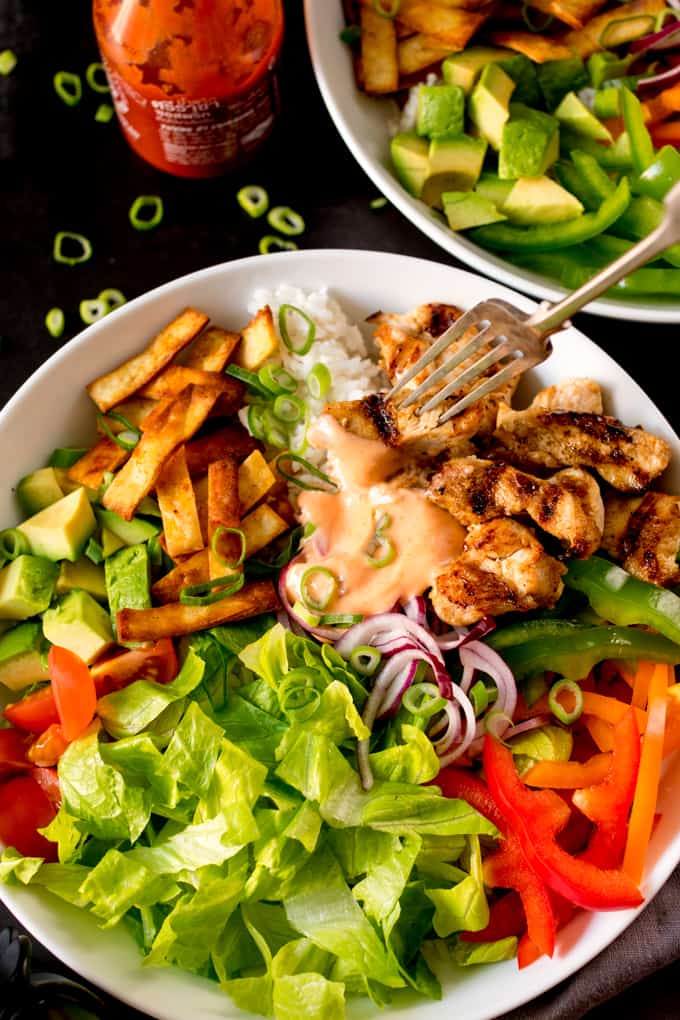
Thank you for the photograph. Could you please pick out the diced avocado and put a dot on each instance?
(530, 144)
(491, 187)
(464, 68)
(110, 543)
(604, 65)
(128, 580)
(39, 489)
(26, 587)
(82, 574)
(441, 111)
(616, 156)
(557, 77)
(80, 624)
(61, 531)
(523, 73)
(68, 486)
(536, 200)
(21, 661)
(465, 209)
(410, 161)
(66, 456)
(607, 103)
(129, 532)
(579, 118)
(455, 165)
(489, 103)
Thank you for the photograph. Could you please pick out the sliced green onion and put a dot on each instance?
(94, 551)
(253, 199)
(223, 530)
(8, 61)
(299, 699)
(13, 543)
(92, 310)
(128, 438)
(251, 379)
(379, 203)
(387, 8)
(277, 379)
(207, 592)
(289, 409)
(479, 697)
(562, 714)
(311, 619)
(318, 382)
(270, 243)
(68, 87)
(423, 700)
(54, 322)
(255, 418)
(365, 660)
(311, 469)
(104, 113)
(71, 260)
(329, 581)
(112, 297)
(351, 35)
(286, 221)
(91, 77)
(385, 553)
(532, 25)
(65, 456)
(274, 431)
(286, 310)
(152, 208)
(341, 619)
(261, 568)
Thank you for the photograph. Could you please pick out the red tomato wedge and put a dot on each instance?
(35, 712)
(25, 808)
(12, 753)
(73, 689)
(158, 662)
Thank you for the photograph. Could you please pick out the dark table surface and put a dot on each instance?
(60, 170)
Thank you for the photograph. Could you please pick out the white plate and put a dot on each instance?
(52, 408)
(364, 123)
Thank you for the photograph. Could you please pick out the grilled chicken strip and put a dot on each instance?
(568, 505)
(570, 395)
(503, 567)
(643, 534)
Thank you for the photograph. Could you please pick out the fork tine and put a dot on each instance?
(480, 366)
(494, 381)
(445, 340)
(465, 352)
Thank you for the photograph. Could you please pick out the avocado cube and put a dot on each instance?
(536, 200)
(466, 209)
(82, 574)
(128, 580)
(21, 661)
(464, 68)
(455, 165)
(26, 587)
(530, 143)
(523, 73)
(491, 187)
(129, 532)
(110, 543)
(441, 111)
(557, 77)
(410, 161)
(61, 531)
(39, 489)
(80, 624)
(576, 115)
(489, 104)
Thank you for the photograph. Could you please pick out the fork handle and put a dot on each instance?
(548, 317)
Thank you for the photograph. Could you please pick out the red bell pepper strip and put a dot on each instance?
(506, 918)
(507, 867)
(537, 817)
(527, 952)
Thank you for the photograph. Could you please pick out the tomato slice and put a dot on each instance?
(73, 690)
(49, 747)
(25, 808)
(35, 712)
(157, 662)
(12, 753)
(48, 781)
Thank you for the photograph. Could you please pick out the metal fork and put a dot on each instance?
(519, 341)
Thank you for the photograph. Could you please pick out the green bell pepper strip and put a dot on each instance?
(616, 156)
(505, 237)
(528, 630)
(623, 599)
(586, 179)
(640, 218)
(605, 65)
(570, 267)
(641, 146)
(646, 282)
(607, 102)
(661, 174)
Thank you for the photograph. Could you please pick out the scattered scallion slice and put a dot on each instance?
(214, 542)
(68, 87)
(128, 438)
(365, 660)
(92, 310)
(94, 551)
(275, 432)
(251, 379)
(311, 619)
(387, 8)
(91, 73)
(66, 237)
(284, 311)
(253, 199)
(351, 35)
(318, 382)
(13, 543)
(423, 700)
(146, 212)
(562, 714)
(113, 297)
(270, 243)
(211, 591)
(289, 409)
(527, 18)
(315, 577)
(341, 619)
(382, 551)
(256, 421)
(54, 322)
(310, 469)
(104, 113)
(8, 61)
(277, 379)
(379, 203)
(286, 221)
(479, 697)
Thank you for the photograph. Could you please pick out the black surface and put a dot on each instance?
(60, 170)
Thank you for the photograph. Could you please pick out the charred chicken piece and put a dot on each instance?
(577, 394)
(643, 534)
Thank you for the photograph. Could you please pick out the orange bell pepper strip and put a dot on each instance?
(568, 775)
(662, 106)
(610, 710)
(672, 735)
(643, 677)
(647, 788)
(600, 731)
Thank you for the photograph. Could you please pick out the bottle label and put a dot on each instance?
(198, 132)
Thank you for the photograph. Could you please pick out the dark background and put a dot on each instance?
(60, 170)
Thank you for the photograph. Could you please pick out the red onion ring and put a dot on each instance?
(392, 698)
(534, 723)
(416, 610)
(666, 38)
(461, 635)
(664, 79)
(480, 656)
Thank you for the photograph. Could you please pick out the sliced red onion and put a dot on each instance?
(416, 610)
(450, 755)
(387, 627)
(529, 724)
(461, 635)
(395, 692)
(479, 656)
(663, 80)
(284, 619)
(451, 717)
(667, 38)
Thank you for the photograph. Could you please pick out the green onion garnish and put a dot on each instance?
(8, 61)
(286, 221)
(255, 418)
(13, 543)
(531, 25)
(224, 530)
(311, 469)
(65, 236)
(91, 77)
(92, 310)
(112, 297)
(341, 619)
(68, 87)
(152, 208)
(311, 619)
(479, 697)
(351, 35)
(299, 699)
(274, 432)
(318, 382)
(387, 8)
(251, 379)
(127, 439)
(329, 583)
(277, 379)
(382, 551)
(94, 551)
(253, 199)
(211, 591)
(562, 714)
(65, 456)
(305, 347)
(365, 660)
(379, 203)
(423, 700)
(289, 409)
(104, 113)
(260, 568)
(270, 243)
(54, 322)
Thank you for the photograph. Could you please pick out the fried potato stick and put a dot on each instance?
(418, 52)
(259, 341)
(224, 511)
(537, 47)
(452, 26)
(379, 68)
(193, 570)
(181, 526)
(104, 456)
(233, 440)
(211, 350)
(173, 379)
(255, 480)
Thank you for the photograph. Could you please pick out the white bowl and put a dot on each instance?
(364, 123)
(52, 408)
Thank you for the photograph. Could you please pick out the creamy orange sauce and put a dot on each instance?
(425, 537)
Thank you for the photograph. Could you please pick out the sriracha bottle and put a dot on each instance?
(192, 81)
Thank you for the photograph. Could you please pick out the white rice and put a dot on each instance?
(339, 345)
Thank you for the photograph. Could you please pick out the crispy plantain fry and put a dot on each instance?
(231, 440)
(259, 341)
(585, 41)
(420, 51)
(261, 527)
(452, 26)
(379, 68)
(174, 619)
(104, 456)
(193, 570)
(537, 47)
(114, 387)
(211, 350)
(224, 511)
(255, 480)
(177, 504)
(575, 13)
(175, 378)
